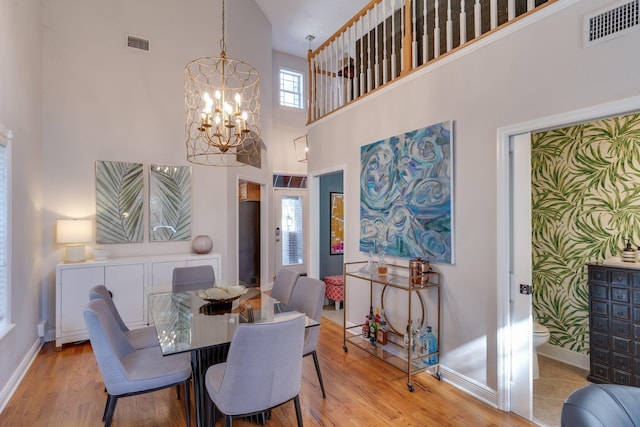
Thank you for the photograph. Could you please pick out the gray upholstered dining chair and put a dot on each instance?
(308, 298)
(193, 278)
(283, 284)
(263, 370)
(144, 337)
(127, 371)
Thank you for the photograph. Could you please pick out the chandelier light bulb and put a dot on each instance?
(208, 103)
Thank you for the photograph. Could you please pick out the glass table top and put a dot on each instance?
(186, 322)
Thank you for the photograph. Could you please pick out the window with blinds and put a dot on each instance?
(291, 85)
(292, 231)
(5, 137)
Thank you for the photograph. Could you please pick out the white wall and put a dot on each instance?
(105, 101)
(288, 123)
(540, 70)
(20, 112)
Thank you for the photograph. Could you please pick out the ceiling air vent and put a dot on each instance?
(616, 20)
(138, 43)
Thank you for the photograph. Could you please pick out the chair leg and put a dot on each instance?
(106, 407)
(315, 360)
(187, 402)
(228, 421)
(296, 402)
(111, 409)
(178, 391)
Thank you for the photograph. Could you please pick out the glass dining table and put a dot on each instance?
(187, 323)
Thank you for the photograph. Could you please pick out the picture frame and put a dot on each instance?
(169, 203)
(119, 202)
(336, 206)
(406, 195)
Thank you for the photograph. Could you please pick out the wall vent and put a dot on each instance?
(137, 43)
(616, 20)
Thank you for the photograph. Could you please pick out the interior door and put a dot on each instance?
(291, 229)
(521, 311)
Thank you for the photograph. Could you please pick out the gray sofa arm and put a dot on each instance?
(602, 405)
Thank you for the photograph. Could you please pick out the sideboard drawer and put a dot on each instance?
(600, 372)
(619, 277)
(599, 340)
(621, 329)
(600, 292)
(600, 324)
(621, 311)
(621, 345)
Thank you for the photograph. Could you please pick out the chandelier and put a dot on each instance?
(222, 103)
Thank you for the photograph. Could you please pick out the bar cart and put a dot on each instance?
(397, 351)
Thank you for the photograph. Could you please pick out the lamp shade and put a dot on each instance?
(73, 231)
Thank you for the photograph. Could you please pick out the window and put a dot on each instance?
(5, 138)
(292, 232)
(291, 84)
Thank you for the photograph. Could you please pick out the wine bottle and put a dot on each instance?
(432, 344)
(365, 328)
(383, 330)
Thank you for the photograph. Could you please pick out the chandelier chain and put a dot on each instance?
(223, 45)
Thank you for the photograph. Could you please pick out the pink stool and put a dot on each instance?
(334, 289)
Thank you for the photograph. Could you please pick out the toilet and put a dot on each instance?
(540, 336)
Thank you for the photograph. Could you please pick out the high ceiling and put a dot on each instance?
(293, 20)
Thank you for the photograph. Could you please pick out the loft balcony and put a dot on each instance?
(390, 39)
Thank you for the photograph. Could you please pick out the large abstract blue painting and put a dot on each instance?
(406, 194)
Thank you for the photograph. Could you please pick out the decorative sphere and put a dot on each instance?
(202, 244)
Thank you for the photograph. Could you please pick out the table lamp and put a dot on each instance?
(74, 234)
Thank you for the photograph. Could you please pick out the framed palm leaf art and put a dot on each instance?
(119, 202)
(169, 203)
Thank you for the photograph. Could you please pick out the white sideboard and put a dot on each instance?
(161, 269)
(130, 280)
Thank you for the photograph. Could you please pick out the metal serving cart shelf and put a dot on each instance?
(395, 352)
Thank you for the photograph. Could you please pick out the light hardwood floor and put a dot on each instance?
(65, 389)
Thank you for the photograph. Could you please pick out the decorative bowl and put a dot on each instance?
(222, 293)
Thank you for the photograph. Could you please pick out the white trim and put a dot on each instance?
(619, 107)
(313, 186)
(6, 140)
(469, 386)
(6, 133)
(5, 331)
(266, 188)
(579, 360)
(13, 383)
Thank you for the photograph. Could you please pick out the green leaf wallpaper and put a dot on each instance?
(585, 204)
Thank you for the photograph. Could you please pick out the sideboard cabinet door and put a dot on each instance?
(126, 283)
(123, 277)
(73, 295)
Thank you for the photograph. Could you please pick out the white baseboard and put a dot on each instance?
(563, 355)
(11, 386)
(470, 386)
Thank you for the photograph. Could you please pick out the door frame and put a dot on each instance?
(313, 263)
(504, 235)
(265, 206)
